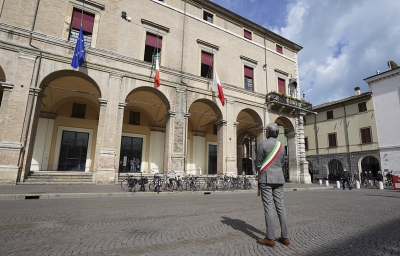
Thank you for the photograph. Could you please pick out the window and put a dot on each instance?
(152, 47)
(248, 78)
(87, 20)
(306, 143)
(329, 114)
(281, 85)
(279, 49)
(247, 34)
(362, 107)
(134, 118)
(365, 135)
(208, 17)
(78, 110)
(206, 64)
(332, 140)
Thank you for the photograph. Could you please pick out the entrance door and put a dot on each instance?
(131, 152)
(212, 159)
(73, 151)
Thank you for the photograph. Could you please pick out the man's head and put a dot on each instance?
(272, 130)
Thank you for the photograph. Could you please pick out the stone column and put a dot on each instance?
(231, 138)
(305, 177)
(292, 155)
(106, 145)
(118, 136)
(13, 114)
(221, 146)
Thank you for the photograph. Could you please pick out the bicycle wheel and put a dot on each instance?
(158, 189)
(212, 186)
(197, 186)
(205, 185)
(125, 185)
(151, 186)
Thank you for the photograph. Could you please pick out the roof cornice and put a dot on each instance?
(237, 19)
(341, 102)
(382, 76)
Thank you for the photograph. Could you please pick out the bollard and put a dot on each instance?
(338, 184)
(380, 185)
(320, 182)
(327, 183)
(357, 184)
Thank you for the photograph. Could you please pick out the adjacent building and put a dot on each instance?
(385, 88)
(107, 114)
(342, 134)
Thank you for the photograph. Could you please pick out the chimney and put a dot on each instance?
(357, 91)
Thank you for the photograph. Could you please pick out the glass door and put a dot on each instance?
(212, 159)
(73, 151)
(130, 158)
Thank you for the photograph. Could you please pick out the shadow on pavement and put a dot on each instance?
(243, 227)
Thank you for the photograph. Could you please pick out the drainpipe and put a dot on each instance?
(34, 95)
(186, 117)
(2, 6)
(316, 136)
(347, 138)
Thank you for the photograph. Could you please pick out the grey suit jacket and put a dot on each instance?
(274, 173)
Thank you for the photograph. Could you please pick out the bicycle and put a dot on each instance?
(129, 183)
(209, 183)
(191, 183)
(142, 182)
(156, 184)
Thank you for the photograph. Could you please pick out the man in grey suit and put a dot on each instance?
(270, 181)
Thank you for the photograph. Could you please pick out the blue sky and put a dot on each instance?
(345, 41)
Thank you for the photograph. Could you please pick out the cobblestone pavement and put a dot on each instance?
(321, 222)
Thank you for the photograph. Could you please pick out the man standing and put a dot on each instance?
(270, 183)
(346, 178)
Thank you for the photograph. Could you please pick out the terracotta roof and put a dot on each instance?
(328, 104)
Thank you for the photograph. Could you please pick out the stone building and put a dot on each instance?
(385, 88)
(99, 117)
(342, 134)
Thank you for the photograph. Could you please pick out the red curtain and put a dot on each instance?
(247, 34)
(206, 58)
(281, 85)
(248, 72)
(279, 49)
(153, 40)
(87, 20)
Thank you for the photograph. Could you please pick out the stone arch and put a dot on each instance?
(208, 100)
(365, 164)
(335, 168)
(249, 130)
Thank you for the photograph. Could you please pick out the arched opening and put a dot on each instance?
(249, 133)
(203, 131)
(335, 169)
(68, 120)
(288, 140)
(370, 163)
(144, 131)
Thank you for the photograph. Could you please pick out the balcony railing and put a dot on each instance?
(284, 99)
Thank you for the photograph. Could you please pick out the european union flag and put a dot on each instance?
(79, 54)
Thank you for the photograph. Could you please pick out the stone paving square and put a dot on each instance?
(321, 222)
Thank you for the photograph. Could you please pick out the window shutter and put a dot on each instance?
(87, 20)
(247, 34)
(206, 58)
(281, 85)
(153, 40)
(248, 72)
(279, 49)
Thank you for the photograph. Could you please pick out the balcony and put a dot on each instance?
(283, 101)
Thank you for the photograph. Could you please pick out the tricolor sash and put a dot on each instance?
(271, 157)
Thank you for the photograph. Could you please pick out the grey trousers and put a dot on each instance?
(273, 192)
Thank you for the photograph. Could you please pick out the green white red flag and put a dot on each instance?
(157, 72)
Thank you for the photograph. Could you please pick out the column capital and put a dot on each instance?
(7, 86)
(186, 115)
(34, 91)
(235, 124)
(103, 102)
(221, 122)
(122, 105)
(170, 113)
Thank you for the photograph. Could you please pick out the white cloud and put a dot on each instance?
(344, 42)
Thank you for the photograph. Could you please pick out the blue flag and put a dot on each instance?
(79, 54)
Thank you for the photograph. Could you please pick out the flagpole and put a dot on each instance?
(83, 7)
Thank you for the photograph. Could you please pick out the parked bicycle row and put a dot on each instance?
(172, 182)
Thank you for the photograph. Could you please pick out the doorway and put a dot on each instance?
(73, 151)
(130, 158)
(212, 159)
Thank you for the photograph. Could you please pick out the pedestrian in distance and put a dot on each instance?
(345, 176)
(270, 184)
(356, 176)
(389, 178)
(370, 178)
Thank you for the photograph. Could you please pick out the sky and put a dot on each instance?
(344, 41)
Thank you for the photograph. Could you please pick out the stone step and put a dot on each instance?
(53, 177)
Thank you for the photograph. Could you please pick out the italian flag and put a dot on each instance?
(157, 75)
(217, 88)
